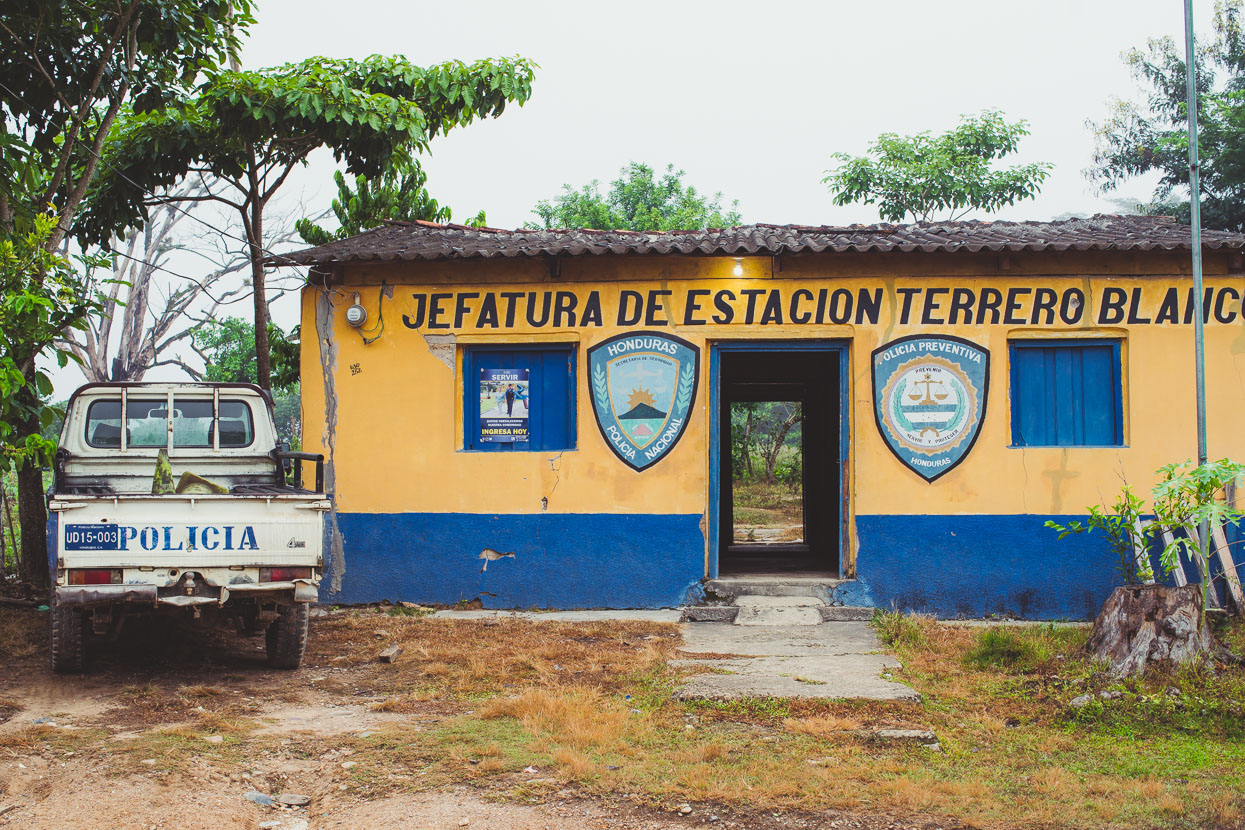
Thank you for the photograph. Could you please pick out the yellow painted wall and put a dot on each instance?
(398, 438)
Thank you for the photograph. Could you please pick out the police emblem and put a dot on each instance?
(643, 385)
(929, 399)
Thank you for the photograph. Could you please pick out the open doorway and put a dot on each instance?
(778, 456)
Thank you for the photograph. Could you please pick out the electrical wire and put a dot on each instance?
(379, 328)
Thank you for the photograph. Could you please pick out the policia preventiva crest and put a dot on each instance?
(929, 400)
(643, 385)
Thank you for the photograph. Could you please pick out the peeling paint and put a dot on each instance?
(442, 346)
(490, 555)
(328, 370)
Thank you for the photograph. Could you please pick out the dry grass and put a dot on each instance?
(822, 726)
(473, 658)
(23, 634)
(579, 717)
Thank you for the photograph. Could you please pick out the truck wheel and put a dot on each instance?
(286, 637)
(68, 640)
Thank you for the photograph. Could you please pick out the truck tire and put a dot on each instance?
(286, 637)
(68, 639)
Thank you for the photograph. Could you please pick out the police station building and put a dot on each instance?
(546, 418)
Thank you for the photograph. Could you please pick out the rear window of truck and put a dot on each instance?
(147, 423)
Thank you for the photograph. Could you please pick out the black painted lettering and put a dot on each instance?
(1072, 306)
(822, 294)
(840, 306)
(592, 310)
(751, 294)
(1111, 306)
(962, 299)
(693, 306)
(796, 315)
(460, 306)
(722, 302)
(627, 316)
(435, 311)
(488, 312)
(773, 309)
(991, 299)
(931, 305)
(906, 308)
(1044, 300)
(564, 303)
(1169, 309)
(421, 306)
(1013, 306)
(511, 298)
(1223, 315)
(546, 298)
(868, 307)
(654, 306)
(1134, 309)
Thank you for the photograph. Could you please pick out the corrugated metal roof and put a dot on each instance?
(430, 241)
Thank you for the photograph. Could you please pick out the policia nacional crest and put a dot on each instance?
(643, 385)
(929, 399)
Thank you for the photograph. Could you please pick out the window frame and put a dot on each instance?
(123, 402)
(471, 397)
(1116, 344)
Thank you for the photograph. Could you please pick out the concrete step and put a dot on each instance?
(781, 610)
(846, 613)
(726, 589)
(778, 615)
(709, 613)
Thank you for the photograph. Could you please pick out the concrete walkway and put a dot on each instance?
(830, 660)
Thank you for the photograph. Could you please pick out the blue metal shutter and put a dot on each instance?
(1066, 394)
(551, 390)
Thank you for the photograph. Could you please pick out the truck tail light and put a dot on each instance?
(285, 574)
(95, 576)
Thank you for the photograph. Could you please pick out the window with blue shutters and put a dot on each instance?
(1066, 393)
(549, 400)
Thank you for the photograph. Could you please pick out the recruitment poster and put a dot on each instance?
(504, 404)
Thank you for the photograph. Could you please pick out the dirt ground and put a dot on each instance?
(173, 728)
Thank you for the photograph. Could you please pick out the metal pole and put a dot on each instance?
(1195, 228)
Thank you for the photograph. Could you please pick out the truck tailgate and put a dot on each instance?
(208, 531)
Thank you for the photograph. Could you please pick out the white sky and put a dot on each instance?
(749, 98)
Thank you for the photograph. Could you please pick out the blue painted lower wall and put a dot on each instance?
(951, 566)
(972, 566)
(595, 560)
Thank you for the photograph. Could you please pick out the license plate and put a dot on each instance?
(92, 537)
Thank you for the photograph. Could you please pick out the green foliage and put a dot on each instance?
(1189, 494)
(916, 175)
(42, 294)
(1002, 648)
(896, 628)
(1151, 137)
(637, 201)
(370, 113)
(1125, 533)
(400, 194)
(228, 350)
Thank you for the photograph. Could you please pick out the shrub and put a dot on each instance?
(899, 629)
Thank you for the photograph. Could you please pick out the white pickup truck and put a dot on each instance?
(225, 538)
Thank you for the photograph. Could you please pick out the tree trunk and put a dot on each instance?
(748, 445)
(32, 514)
(1143, 624)
(263, 369)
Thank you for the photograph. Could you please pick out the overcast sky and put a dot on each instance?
(749, 98)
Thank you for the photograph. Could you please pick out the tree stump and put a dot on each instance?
(1143, 624)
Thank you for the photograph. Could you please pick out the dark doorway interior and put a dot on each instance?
(779, 499)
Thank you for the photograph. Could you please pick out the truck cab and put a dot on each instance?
(179, 499)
